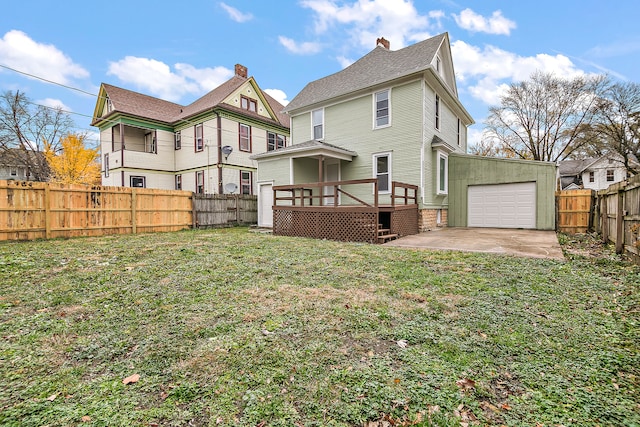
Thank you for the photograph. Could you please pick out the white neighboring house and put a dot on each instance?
(595, 174)
(204, 147)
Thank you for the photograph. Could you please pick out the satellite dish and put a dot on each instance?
(226, 150)
(230, 188)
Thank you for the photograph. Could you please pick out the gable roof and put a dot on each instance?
(132, 103)
(378, 66)
(309, 149)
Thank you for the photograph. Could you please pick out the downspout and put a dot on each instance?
(122, 152)
(219, 150)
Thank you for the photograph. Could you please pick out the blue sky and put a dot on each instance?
(178, 51)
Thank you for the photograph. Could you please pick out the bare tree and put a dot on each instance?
(618, 123)
(25, 128)
(543, 118)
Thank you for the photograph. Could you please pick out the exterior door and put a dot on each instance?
(265, 202)
(331, 173)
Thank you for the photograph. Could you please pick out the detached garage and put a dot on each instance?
(501, 193)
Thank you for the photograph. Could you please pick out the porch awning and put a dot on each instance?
(311, 148)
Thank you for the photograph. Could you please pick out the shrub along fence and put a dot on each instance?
(37, 210)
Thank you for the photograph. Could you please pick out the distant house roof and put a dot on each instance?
(17, 156)
(378, 66)
(148, 107)
(574, 167)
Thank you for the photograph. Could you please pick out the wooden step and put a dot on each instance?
(383, 238)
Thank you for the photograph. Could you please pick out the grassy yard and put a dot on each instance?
(234, 328)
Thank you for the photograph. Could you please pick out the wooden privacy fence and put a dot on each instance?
(618, 216)
(574, 210)
(38, 210)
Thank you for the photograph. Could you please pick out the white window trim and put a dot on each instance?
(437, 117)
(374, 159)
(439, 155)
(375, 109)
(313, 125)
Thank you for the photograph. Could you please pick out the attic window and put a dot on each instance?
(438, 65)
(248, 104)
(109, 105)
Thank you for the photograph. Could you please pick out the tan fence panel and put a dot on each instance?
(574, 210)
(33, 210)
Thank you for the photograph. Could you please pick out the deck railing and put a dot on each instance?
(331, 210)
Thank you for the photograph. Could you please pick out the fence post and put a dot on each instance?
(134, 222)
(605, 218)
(47, 211)
(620, 222)
(194, 212)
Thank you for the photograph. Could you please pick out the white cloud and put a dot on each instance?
(53, 103)
(497, 24)
(19, 51)
(306, 48)
(344, 61)
(486, 72)
(235, 14)
(366, 20)
(278, 95)
(157, 78)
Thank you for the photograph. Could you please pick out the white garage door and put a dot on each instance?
(502, 205)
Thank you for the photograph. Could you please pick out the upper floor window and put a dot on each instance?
(382, 171)
(275, 141)
(438, 65)
(178, 182)
(246, 178)
(317, 124)
(106, 165)
(199, 140)
(13, 171)
(177, 140)
(592, 176)
(150, 142)
(458, 135)
(438, 112)
(248, 103)
(109, 105)
(382, 117)
(245, 137)
(610, 175)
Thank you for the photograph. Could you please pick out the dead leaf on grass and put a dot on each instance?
(466, 383)
(402, 343)
(85, 419)
(52, 397)
(131, 379)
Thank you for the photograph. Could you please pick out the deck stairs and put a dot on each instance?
(384, 234)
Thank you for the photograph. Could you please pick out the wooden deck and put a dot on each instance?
(309, 210)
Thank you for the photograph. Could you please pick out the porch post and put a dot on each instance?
(321, 178)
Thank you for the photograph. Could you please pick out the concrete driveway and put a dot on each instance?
(525, 243)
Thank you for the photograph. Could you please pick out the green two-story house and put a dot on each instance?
(390, 117)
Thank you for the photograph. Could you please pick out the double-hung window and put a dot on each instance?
(106, 165)
(438, 112)
(248, 103)
(246, 179)
(382, 171)
(610, 175)
(177, 140)
(245, 137)
(199, 141)
(317, 124)
(200, 182)
(275, 141)
(443, 166)
(178, 182)
(383, 117)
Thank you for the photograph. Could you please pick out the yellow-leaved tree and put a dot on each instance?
(74, 163)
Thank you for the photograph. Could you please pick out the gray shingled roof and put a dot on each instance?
(305, 146)
(136, 104)
(574, 167)
(378, 66)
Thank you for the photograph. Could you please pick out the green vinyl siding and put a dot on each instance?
(301, 128)
(466, 170)
(276, 171)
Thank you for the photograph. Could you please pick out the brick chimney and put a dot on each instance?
(241, 71)
(383, 42)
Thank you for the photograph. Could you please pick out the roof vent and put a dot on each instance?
(383, 42)
(241, 71)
